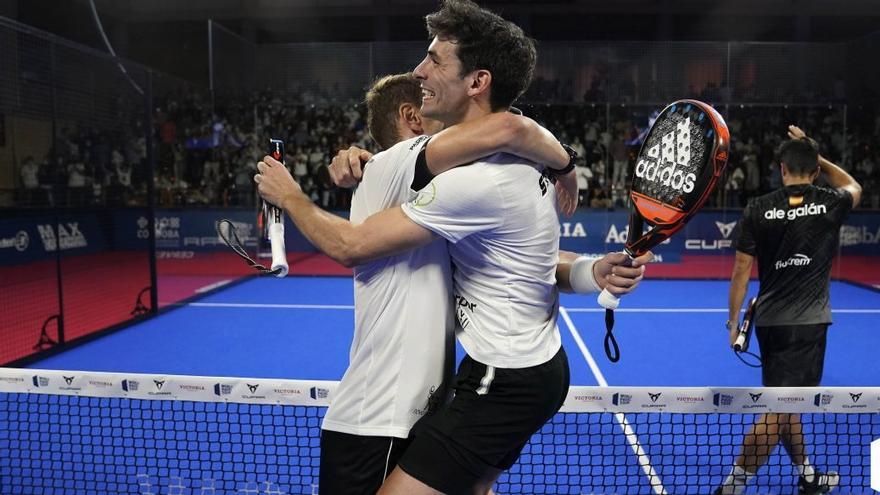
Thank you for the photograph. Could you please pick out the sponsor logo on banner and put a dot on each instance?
(790, 399)
(568, 229)
(253, 392)
(12, 379)
(713, 244)
(725, 228)
(755, 402)
(796, 260)
(855, 401)
(618, 236)
(68, 380)
(621, 399)
(69, 236)
(20, 241)
(100, 383)
(318, 393)
(222, 389)
(167, 232)
(660, 162)
(689, 399)
(287, 392)
(190, 388)
(653, 404)
(40, 381)
(809, 210)
(207, 241)
(822, 399)
(175, 255)
(159, 385)
(589, 398)
(130, 385)
(852, 235)
(143, 232)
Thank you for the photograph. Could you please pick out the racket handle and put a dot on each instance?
(279, 255)
(740, 344)
(608, 300)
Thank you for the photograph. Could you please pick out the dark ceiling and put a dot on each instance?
(171, 35)
(279, 21)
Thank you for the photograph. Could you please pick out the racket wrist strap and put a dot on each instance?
(581, 277)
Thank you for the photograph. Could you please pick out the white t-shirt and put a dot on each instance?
(504, 229)
(403, 315)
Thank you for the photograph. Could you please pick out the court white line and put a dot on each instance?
(628, 432)
(213, 286)
(270, 306)
(568, 310)
(699, 310)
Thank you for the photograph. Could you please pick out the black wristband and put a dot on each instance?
(572, 159)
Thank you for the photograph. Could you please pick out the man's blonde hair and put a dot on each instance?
(383, 104)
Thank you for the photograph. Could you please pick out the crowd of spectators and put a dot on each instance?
(205, 153)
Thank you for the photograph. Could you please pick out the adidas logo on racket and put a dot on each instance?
(678, 167)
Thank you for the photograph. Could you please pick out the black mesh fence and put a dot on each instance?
(75, 185)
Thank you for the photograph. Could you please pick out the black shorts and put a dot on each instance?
(357, 465)
(487, 424)
(792, 355)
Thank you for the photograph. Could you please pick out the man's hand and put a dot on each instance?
(346, 169)
(567, 193)
(795, 132)
(733, 330)
(615, 272)
(274, 182)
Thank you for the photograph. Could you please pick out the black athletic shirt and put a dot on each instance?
(794, 232)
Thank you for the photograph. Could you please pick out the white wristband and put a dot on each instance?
(581, 276)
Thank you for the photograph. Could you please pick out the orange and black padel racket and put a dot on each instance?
(678, 166)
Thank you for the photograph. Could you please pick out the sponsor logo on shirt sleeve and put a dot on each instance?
(426, 196)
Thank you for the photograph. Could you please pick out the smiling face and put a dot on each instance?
(444, 91)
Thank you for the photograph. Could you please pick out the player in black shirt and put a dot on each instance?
(793, 232)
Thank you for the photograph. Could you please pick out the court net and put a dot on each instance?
(64, 432)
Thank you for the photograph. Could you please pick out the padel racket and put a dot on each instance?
(270, 225)
(744, 337)
(274, 218)
(677, 168)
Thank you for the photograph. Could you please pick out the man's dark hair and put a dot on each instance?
(383, 104)
(486, 41)
(800, 156)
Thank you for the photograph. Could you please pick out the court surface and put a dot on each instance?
(670, 334)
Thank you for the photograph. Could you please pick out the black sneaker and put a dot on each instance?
(718, 491)
(822, 483)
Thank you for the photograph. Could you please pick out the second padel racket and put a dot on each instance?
(274, 219)
(677, 168)
(744, 337)
(270, 225)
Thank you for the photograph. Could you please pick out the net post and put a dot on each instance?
(56, 219)
(151, 191)
(211, 61)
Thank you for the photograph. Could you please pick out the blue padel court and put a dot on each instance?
(299, 330)
(670, 333)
